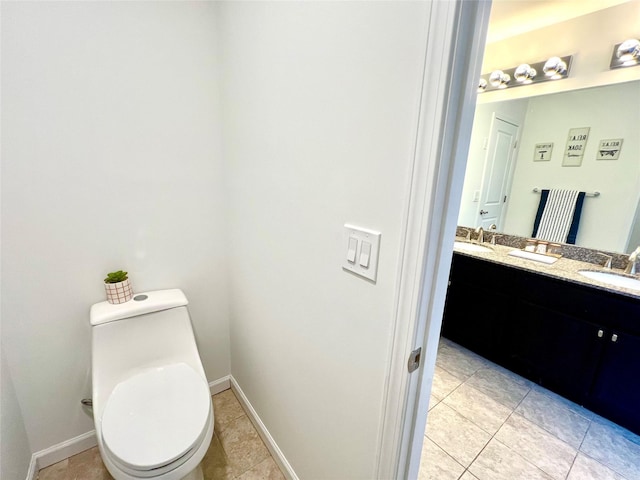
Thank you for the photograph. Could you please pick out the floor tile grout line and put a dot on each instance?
(515, 452)
(585, 436)
(513, 411)
(471, 420)
(624, 477)
(491, 436)
(545, 391)
(531, 388)
(441, 448)
(496, 400)
(497, 369)
(543, 427)
(590, 417)
(550, 433)
(454, 375)
(572, 464)
(244, 414)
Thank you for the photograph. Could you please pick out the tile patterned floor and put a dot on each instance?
(236, 451)
(486, 423)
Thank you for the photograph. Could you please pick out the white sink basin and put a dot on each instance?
(612, 278)
(471, 247)
(536, 257)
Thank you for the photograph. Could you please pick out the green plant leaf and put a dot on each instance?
(116, 277)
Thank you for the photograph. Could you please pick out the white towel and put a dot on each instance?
(557, 215)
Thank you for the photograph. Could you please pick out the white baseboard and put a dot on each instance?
(275, 451)
(220, 385)
(32, 473)
(79, 444)
(63, 450)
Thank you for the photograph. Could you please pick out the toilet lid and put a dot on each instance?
(155, 417)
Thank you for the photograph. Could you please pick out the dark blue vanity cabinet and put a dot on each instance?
(616, 388)
(578, 341)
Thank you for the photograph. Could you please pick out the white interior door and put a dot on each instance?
(455, 46)
(497, 173)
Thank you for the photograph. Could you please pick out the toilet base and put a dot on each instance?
(195, 474)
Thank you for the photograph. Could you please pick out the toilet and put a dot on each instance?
(151, 400)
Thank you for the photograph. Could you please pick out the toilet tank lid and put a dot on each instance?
(141, 303)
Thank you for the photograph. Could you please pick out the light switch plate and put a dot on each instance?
(361, 235)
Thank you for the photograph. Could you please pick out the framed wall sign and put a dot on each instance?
(576, 143)
(542, 152)
(609, 149)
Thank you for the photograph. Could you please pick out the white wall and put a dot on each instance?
(111, 159)
(15, 452)
(513, 111)
(611, 112)
(320, 103)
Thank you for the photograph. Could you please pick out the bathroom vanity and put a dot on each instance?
(578, 338)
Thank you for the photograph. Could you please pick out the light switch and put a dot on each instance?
(352, 249)
(365, 254)
(363, 246)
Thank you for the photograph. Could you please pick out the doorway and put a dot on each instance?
(434, 330)
(498, 169)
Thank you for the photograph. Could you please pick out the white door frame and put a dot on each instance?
(453, 58)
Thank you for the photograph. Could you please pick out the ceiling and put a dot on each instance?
(514, 17)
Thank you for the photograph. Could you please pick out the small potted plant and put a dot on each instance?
(118, 287)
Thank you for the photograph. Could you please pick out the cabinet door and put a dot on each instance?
(554, 349)
(474, 318)
(616, 390)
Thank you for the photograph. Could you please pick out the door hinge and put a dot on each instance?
(515, 144)
(504, 200)
(414, 360)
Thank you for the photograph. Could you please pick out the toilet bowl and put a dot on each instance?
(151, 401)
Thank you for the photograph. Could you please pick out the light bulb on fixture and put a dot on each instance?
(499, 79)
(554, 68)
(525, 73)
(628, 52)
(482, 85)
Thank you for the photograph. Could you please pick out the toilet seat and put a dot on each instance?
(155, 420)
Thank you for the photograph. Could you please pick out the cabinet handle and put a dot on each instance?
(600, 333)
(614, 337)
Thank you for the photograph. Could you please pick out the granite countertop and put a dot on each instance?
(564, 268)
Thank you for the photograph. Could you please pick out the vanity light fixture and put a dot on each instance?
(626, 54)
(525, 73)
(554, 68)
(499, 79)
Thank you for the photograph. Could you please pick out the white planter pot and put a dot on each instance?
(118, 292)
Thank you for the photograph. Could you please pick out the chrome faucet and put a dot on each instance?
(480, 232)
(631, 267)
(607, 263)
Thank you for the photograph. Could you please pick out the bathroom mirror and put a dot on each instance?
(536, 119)
(539, 127)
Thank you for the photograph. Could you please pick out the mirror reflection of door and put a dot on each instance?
(497, 174)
